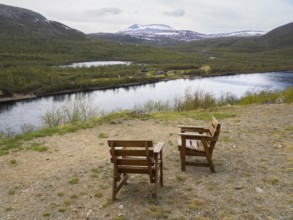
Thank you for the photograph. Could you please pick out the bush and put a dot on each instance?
(193, 100)
(79, 110)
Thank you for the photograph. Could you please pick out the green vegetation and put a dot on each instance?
(268, 97)
(38, 147)
(98, 194)
(30, 63)
(46, 214)
(11, 191)
(78, 111)
(12, 162)
(73, 181)
(60, 194)
(103, 135)
(149, 110)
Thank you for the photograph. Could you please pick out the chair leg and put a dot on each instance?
(155, 190)
(156, 183)
(161, 169)
(183, 160)
(211, 165)
(116, 188)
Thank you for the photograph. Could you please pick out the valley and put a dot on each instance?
(31, 48)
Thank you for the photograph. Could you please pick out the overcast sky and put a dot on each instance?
(204, 16)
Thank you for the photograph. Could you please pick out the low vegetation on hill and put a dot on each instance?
(30, 62)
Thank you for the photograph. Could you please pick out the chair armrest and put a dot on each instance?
(194, 136)
(192, 128)
(159, 146)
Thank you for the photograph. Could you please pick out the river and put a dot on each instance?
(14, 115)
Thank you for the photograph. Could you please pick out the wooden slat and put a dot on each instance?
(130, 161)
(131, 169)
(127, 152)
(131, 143)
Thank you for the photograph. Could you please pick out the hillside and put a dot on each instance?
(23, 23)
(278, 41)
(279, 37)
(28, 37)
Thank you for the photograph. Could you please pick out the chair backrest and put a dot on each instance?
(214, 132)
(132, 156)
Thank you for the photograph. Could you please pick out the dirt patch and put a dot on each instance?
(73, 178)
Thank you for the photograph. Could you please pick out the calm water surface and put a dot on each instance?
(98, 63)
(14, 115)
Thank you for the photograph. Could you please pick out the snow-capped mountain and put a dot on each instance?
(161, 30)
(151, 28)
(155, 31)
(164, 34)
(238, 34)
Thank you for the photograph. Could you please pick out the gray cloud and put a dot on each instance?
(104, 12)
(176, 13)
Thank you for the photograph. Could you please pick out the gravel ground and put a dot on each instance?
(73, 178)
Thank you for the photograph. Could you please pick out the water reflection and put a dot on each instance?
(6, 106)
(15, 114)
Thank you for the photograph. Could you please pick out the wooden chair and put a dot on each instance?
(136, 156)
(198, 141)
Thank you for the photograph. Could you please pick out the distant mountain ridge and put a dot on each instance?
(164, 34)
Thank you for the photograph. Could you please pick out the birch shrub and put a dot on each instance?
(78, 110)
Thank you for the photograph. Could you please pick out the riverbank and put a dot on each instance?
(72, 177)
(21, 97)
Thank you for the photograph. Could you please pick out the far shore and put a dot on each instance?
(21, 97)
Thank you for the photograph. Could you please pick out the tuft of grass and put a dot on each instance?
(8, 209)
(158, 212)
(94, 175)
(73, 180)
(12, 162)
(46, 214)
(196, 202)
(11, 192)
(67, 202)
(271, 180)
(61, 209)
(38, 147)
(73, 196)
(103, 135)
(180, 178)
(60, 194)
(98, 194)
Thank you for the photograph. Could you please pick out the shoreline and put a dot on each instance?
(23, 97)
